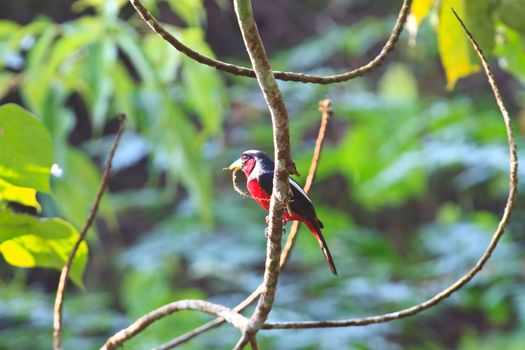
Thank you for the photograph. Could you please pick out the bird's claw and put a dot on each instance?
(267, 232)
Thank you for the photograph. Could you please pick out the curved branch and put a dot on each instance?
(62, 283)
(142, 323)
(326, 113)
(286, 76)
(511, 199)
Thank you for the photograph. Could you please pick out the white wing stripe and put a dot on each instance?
(298, 187)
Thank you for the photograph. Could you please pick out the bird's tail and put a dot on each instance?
(316, 231)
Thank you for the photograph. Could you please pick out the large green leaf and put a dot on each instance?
(455, 50)
(26, 152)
(22, 195)
(28, 241)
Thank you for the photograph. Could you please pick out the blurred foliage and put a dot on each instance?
(488, 20)
(410, 185)
(25, 167)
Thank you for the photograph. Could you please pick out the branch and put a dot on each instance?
(284, 165)
(325, 108)
(142, 323)
(511, 199)
(286, 76)
(62, 283)
(253, 343)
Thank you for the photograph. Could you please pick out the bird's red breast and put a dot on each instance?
(258, 194)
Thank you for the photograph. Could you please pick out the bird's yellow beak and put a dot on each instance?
(237, 165)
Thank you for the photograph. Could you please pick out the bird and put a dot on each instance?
(259, 169)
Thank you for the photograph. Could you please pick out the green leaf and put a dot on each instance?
(26, 156)
(398, 85)
(163, 57)
(191, 11)
(100, 61)
(28, 241)
(177, 151)
(203, 86)
(7, 28)
(105, 6)
(129, 43)
(22, 195)
(52, 58)
(511, 49)
(37, 73)
(480, 21)
(454, 48)
(124, 92)
(171, 133)
(7, 81)
(512, 13)
(419, 10)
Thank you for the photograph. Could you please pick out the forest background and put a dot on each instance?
(411, 183)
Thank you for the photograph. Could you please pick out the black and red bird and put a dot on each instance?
(258, 168)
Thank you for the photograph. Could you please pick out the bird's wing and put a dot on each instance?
(266, 182)
(301, 203)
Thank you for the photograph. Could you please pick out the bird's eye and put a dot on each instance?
(245, 157)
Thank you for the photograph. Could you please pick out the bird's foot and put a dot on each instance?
(267, 231)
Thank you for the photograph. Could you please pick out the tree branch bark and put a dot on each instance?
(284, 165)
(286, 76)
(142, 323)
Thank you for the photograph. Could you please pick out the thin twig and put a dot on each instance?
(511, 199)
(243, 341)
(234, 318)
(62, 283)
(286, 76)
(326, 114)
(253, 343)
(325, 107)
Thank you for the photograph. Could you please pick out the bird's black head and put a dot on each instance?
(253, 160)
